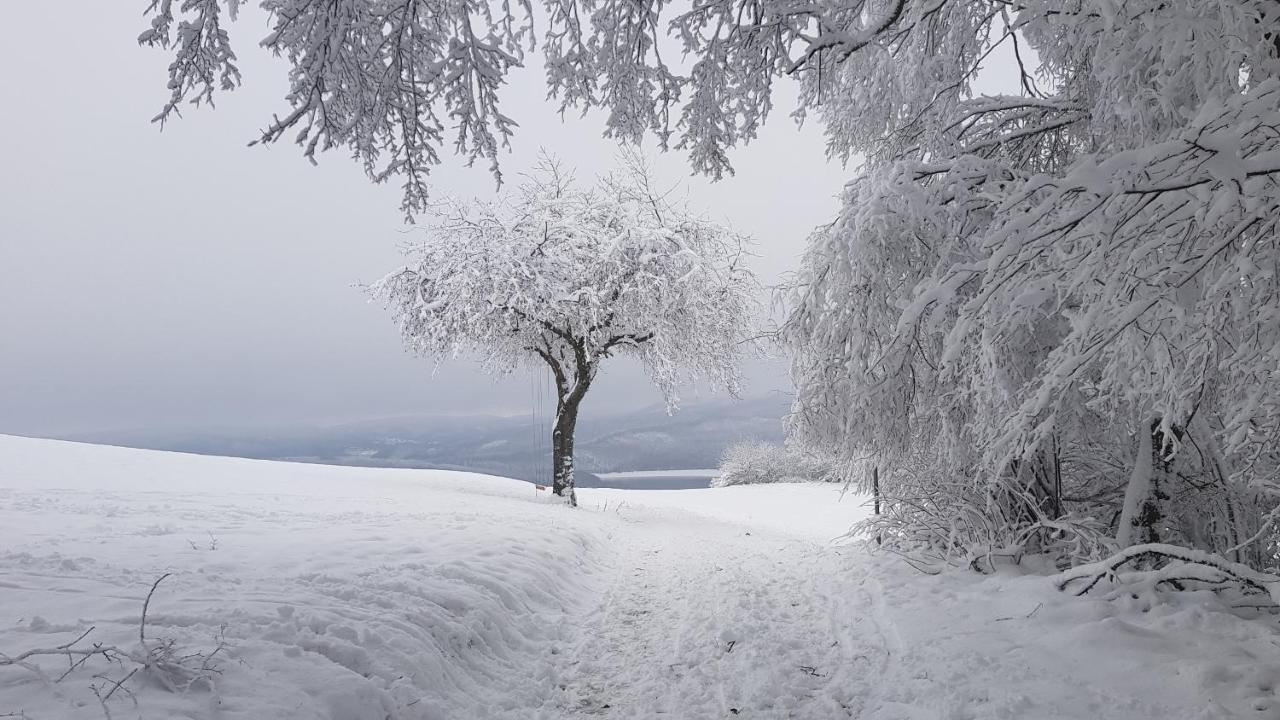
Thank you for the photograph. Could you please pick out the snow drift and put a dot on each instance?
(343, 593)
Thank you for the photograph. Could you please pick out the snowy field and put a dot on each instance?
(368, 594)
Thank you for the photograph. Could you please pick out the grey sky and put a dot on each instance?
(154, 279)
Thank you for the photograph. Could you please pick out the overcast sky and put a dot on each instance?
(167, 279)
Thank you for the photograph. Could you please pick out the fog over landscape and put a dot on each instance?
(610, 441)
(178, 279)
(630, 359)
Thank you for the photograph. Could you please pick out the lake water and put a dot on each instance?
(658, 480)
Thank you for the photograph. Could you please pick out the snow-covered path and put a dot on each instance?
(823, 630)
(701, 618)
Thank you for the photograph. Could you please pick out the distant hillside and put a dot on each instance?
(695, 437)
(646, 439)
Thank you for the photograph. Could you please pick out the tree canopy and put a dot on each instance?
(566, 276)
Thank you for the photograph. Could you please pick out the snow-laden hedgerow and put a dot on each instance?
(751, 463)
(1051, 318)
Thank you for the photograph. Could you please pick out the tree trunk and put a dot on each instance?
(572, 383)
(875, 494)
(875, 487)
(1146, 513)
(562, 449)
(1216, 467)
(1138, 493)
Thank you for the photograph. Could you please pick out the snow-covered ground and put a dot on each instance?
(819, 512)
(353, 594)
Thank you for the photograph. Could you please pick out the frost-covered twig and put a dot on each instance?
(76, 657)
(146, 603)
(159, 659)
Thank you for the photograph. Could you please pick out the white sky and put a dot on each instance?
(156, 279)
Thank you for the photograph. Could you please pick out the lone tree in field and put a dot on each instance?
(567, 275)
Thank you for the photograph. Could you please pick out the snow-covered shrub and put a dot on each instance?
(750, 463)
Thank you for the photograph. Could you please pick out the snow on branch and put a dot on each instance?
(1029, 301)
(1175, 566)
(390, 81)
(1152, 233)
(394, 81)
(203, 60)
(569, 275)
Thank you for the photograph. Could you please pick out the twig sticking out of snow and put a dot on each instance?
(146, 603)
(213, 543)
(1175, 566)
(159, 659)
(1028, 616)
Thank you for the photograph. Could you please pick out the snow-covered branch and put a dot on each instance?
(387, 80)
(1175, 566)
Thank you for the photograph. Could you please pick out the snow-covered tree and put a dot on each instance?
(568, 276)
(1052, 317)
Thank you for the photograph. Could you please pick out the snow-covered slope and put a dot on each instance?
(354, 594)
(345, 593)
